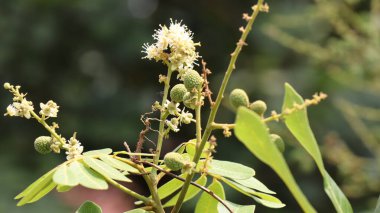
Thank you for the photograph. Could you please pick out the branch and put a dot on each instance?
(211, 193)
(215, 107)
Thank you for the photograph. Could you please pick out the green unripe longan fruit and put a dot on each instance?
(177, 93)
(277, 140)
(42, 144)
(174, 161)
(192, 80)
(239, 97)
(189, 100)
(259, 107)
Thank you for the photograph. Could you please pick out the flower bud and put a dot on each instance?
(42, 144)
(239, 97)
(7, 86)
(192, 80)
(177, 93)
(259, 107)
(189, 100)
(277, 140)
(174, 161)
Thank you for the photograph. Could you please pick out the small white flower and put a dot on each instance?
(21, 109)
(173, 124)
(185, 117)
(50, 109)
(172, 107)
(73, 148)
(12, 111)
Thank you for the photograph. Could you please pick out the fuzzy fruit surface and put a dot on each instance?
(42, 144)
(174, 161)
(192, 80)
(177, 93)
(259, 107)
(239, 97)
(277, 140)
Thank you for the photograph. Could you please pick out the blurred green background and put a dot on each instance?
(86, 56)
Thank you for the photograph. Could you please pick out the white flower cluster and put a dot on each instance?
(174, 45)
(73, 147)
(182, 117)
(20, 108)
(50, 109)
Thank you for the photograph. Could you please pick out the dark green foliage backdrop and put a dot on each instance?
(86, 56)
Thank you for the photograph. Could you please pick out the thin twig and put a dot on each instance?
(208, 191)
(207, 91)
(140, 142)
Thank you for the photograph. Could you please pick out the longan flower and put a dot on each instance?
(73, 148)
(174, 45)
(50, 109)
(21, 109)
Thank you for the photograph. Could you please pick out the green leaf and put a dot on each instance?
(236, 208)
(35, 188)
(105, 169)
(89, 207)
(230, 169)
(61, 188)
(43, 192)
(31, 186)
(253, 183)
(191, 192)
(253, 133)
(105, 151)
(264, 199)
(170, 187)
(207, 203)
(65, 176)
(118, 164)
(298, 124)
(88, 177)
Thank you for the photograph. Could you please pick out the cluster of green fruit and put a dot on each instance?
(239, 98)
(187, 92)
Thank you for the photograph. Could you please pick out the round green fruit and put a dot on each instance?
(42, 144)
(239, 97)
(177, 93)
(174, 161)
(259, 107)
(192, 80)
(277, 140)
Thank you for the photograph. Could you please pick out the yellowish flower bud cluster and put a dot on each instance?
(73, 147)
